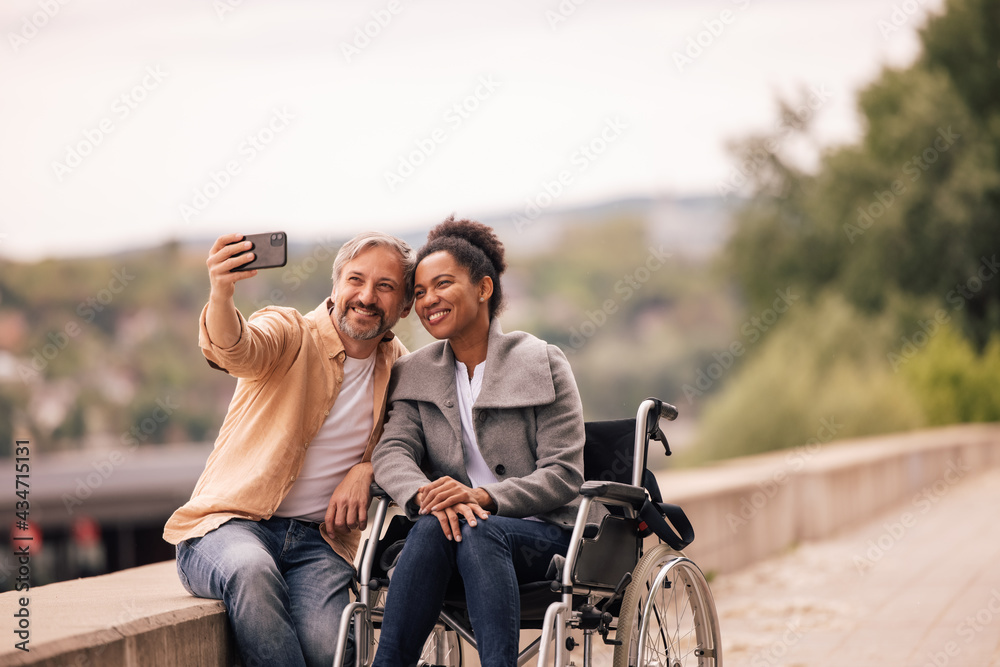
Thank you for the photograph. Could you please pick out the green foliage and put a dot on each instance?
(821, 373)
(952, 382)
(963, 43)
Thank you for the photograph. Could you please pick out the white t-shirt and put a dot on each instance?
(468, 391)
(339, 445)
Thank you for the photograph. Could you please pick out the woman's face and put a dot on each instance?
(446, 300)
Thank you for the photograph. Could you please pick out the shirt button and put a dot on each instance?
(327, 413)
(449, 404)
(306, 446)
(292, 478)
(483, 417)
(500, 469)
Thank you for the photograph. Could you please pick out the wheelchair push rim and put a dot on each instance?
(668, 615)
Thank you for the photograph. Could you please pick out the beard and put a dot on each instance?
(351, 330)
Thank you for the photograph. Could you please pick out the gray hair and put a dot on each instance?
(366, 240)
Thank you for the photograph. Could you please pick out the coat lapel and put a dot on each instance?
(517, 375)
(435, 383)
(517, 371)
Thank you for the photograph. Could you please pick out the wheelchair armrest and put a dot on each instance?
(377, 491)
(633, 495)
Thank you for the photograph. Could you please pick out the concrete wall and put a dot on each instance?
(748, 509)
(743, 510)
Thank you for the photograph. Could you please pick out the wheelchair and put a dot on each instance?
(625, 580)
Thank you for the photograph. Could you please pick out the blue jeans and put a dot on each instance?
(493, 558)
(283, 586)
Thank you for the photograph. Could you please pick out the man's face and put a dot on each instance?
(369, 298)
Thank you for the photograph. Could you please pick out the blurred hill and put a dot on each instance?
(100, 352)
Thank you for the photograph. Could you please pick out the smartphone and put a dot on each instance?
(270, 250)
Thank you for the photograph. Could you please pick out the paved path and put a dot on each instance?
(918, 586)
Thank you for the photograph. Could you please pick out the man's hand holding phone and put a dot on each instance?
(235, 257)
(221, 263)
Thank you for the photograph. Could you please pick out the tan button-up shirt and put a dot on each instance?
(290, 368)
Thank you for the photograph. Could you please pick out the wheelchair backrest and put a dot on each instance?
(607, 454)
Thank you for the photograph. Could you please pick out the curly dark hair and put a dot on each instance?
(474, 246)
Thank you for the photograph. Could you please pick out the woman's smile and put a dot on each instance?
(434, 315)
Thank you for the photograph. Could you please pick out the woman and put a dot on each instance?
(483, 448)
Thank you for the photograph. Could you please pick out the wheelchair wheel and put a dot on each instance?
(668, 617)
(443, 647)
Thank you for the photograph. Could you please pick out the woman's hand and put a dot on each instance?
(449, 518)
(446, 492)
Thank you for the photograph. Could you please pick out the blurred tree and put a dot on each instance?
(952, 383)
(913, 208)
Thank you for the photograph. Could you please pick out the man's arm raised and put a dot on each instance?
(221, 319)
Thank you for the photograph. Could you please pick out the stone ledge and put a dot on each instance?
(137, 617)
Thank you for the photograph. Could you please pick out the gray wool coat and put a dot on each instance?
(528, 421)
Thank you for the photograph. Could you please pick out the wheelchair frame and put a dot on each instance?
(664, 587)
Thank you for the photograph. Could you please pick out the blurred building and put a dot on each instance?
(102, 511)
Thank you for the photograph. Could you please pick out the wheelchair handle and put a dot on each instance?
(667, 411)
(646, 418)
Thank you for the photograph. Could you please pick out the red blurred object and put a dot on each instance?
(86, 531)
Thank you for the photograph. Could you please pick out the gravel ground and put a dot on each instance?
(917, 586)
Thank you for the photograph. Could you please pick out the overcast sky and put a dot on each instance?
(126, 123)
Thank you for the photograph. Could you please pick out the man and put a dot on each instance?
(274, 522)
